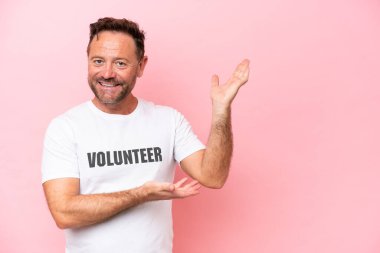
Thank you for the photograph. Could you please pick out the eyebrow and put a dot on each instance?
(115, 59)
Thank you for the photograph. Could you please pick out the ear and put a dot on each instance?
(142, 65)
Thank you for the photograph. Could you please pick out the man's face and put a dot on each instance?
(113, 66)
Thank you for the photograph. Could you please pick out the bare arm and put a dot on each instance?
(211, 166)
(72, 210)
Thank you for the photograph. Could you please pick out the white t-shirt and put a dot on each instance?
(112, 152)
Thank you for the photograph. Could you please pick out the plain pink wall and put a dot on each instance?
(305, 174)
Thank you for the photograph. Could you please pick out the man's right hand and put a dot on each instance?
(70, 209)
(163, 191)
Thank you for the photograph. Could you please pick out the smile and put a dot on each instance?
(108, 84)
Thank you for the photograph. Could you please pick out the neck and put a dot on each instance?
(124, 107)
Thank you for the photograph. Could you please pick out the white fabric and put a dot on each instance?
(111, 152)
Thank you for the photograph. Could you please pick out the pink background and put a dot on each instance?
(306, 170)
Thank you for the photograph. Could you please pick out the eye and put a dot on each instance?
(97, 62)
(120, 64)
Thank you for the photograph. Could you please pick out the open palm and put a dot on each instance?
(224, 94)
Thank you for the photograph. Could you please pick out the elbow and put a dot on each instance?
(213, 177)
(62, 225)
(62, 221)
(214, 184)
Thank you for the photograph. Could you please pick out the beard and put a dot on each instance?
(110, 97)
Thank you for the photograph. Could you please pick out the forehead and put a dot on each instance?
(112, 44)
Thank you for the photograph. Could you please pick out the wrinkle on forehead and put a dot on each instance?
(117, 43)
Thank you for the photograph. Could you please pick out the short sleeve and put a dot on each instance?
(186, 142)
(59, 159)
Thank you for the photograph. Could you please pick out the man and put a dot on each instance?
(108, 164)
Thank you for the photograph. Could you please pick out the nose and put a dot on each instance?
(108, 72)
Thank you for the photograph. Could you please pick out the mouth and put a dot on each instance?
(108, 84)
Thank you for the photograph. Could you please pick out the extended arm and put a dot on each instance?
(211, 166)
(72, 210)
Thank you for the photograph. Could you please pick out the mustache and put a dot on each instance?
(113, 81)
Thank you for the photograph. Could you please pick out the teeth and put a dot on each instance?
(107, 85)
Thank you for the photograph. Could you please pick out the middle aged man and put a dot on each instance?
(108, 164)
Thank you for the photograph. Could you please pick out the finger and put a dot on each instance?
(193, 193)
(184, 194)
(188, 189)
(168, 187)
(242, 66)
(242, 70)
(215, 81)
(180, 182)
(191, 184)
(197, 187)
(193, 189)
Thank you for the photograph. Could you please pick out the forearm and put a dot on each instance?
(211, 166)
(83, 210)
(217, 157)
(73, 210)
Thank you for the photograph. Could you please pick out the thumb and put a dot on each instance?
(168, 187)
(214, 81)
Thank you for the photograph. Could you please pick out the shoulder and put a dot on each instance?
(65, 120)
(162, 114)
(149, 107)
(77, 112)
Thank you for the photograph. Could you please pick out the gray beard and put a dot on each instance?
(124, 93)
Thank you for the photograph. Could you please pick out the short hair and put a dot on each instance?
(119, 25)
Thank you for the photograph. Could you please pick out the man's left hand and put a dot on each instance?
(223, 95)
